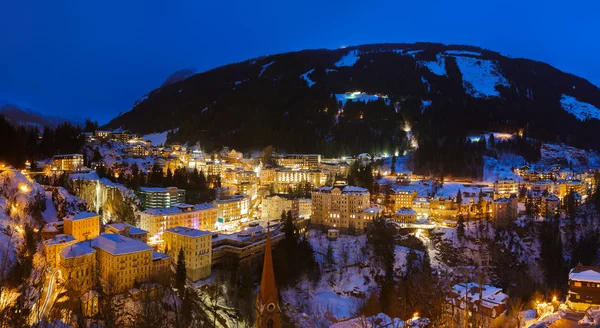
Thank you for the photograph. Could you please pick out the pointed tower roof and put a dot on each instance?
(267, 293)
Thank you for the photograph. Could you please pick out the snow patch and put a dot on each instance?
(157, 139)
(437, 67)
(424, 105)
(264, 68)
(360, 96)
(462, 52)
(307, 79)
(480, 77)
(581, 110)
(348, 59)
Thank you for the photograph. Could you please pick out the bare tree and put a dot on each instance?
(515, 309)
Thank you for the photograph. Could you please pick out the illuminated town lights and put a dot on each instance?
(24, 188)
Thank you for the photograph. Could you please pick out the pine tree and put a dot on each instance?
(180, 276)
(459, 197)
(460, 227)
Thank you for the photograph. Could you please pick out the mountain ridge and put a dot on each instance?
(260, 101)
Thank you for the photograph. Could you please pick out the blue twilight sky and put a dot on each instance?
(94, 59)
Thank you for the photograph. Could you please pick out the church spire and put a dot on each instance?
(267, 301)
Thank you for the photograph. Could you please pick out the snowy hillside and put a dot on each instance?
(583, 111)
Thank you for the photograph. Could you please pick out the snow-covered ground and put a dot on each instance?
(348, 59)
(306, 78)
(480, 76)
(501, 168)
(157, 139)
(582, 110)
(359, 96)
(264, 68)
(437, 67)
(563, 154)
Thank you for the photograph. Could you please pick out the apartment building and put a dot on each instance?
(77, 266)
(405, 215)
(232, 209)
(304, 207)
(564, 187)
(550, 206)
(504, 211)
(486, 301)
(161, 264)
(304, 161)
(274, 205)
(67, 162)
(122, 261)
(339, 207)
(161, 197)
(197, 248)
(53, 247)
(506, 187)
(286, 178)
(401, 198)
(82, 226)
(157, 220)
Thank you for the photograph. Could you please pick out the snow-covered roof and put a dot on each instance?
(159, 256)
(59, 239)
(156, 189)
(591, 274)
(180, 208)
(380, 320)
(406, 211)
(81, 216)
(133, 230)
(372, 210)
(188, 232)
(77, 250)
(117, 244)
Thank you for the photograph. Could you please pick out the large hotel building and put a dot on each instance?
(67, 162)
(340, 207)
(157, 220)
(161, 197)
(197, 249)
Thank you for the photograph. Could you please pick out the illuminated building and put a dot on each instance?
(83, 225)
(157, 220)
(405, 215)
(67, 162)
(232, 209)
(53, 247)
(160, 197)
(127, 230)
(77, 266)
(197, 247)
(506, 187)
(274, 205)
(504, 211)
(339, 207)
(122, 261)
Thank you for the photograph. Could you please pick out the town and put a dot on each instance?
(132, 229)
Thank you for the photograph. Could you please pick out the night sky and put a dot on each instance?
(94, 59)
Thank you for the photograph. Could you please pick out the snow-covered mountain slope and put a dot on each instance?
(274, 99)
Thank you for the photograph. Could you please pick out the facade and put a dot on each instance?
(122, 261)
(304, 161)
(274, 205)
(403, 177)
(127, 230)
(138, 149)
(161, 264)
(82, 226)
(401, 198)
(550, 206)
(197, 248)
(248, 188)
(485, 300)
(157, 220)
(405, 215)
(268, 311)
(584, 287)
(339, 207)
(161, 197)
(53, 247)
(67, 162)
(304, 207)
(564, 187)
(290, 178)
(506, 187)
(233, 209)
(77, 266)
(504, 211)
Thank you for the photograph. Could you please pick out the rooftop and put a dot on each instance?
(159, 256)
(189, 232)
(81, 216)
(77, 250)
(156, 189)
(117, 244)
(406, 211)
(178, 209)
(585, 273)
(59, 239)
(133, 230)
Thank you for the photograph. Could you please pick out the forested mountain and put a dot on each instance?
(300, 101)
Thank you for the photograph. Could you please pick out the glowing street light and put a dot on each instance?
(23, 188)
